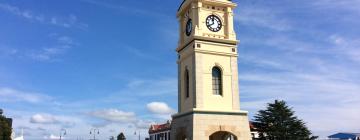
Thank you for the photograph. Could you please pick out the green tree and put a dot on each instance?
(121, 136)
(278, 122)
(5, 130)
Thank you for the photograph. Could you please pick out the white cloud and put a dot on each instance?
(317, 74)
(347, 47)
(133, 10)
(135, 83)
(49, 119)
(246, 58)
(53, 137)
(8, 51)
(51, 53)
(118, 117)
(318, 99)
(66, 40)
(53, 21)
(352, 5)
(13, 95)
(36, 131)
(317, 79)
(159, 108)
(143, 124)
(114, 115)
(145, 88)
(153, 87)
(261, 17)
(66, 22)
(48, 54)
(63, 44)
(16, 11)
(43, 119)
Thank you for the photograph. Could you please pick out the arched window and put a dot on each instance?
(187, 83)
(216, 81)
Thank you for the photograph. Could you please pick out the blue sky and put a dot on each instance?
(112, 64)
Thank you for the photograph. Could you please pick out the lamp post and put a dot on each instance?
(62, 133)
(94, 131)
(139, 133)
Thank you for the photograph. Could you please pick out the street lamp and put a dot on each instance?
(62, 133)
(139, 134)
(94, 131)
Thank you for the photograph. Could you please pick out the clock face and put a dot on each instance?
(188, 27)
(213, 23)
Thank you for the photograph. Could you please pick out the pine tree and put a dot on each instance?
(278, 122)
(121, 136)
(5, 130)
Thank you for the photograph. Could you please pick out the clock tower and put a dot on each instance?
(208, 92)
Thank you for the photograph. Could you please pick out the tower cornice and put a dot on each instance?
(186, 3)
(213, 40)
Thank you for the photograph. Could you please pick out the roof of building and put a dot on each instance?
(160, 127)
(252, 127)
(345, 135)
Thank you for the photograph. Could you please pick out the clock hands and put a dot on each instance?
(213, 23)
(213, 20)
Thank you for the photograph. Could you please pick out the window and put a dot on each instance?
(187, 83)
(216, 81)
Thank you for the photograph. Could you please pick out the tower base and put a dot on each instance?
(210, 125)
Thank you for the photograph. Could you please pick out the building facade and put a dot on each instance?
(208, 93)
(160, 132)
(254, 131)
